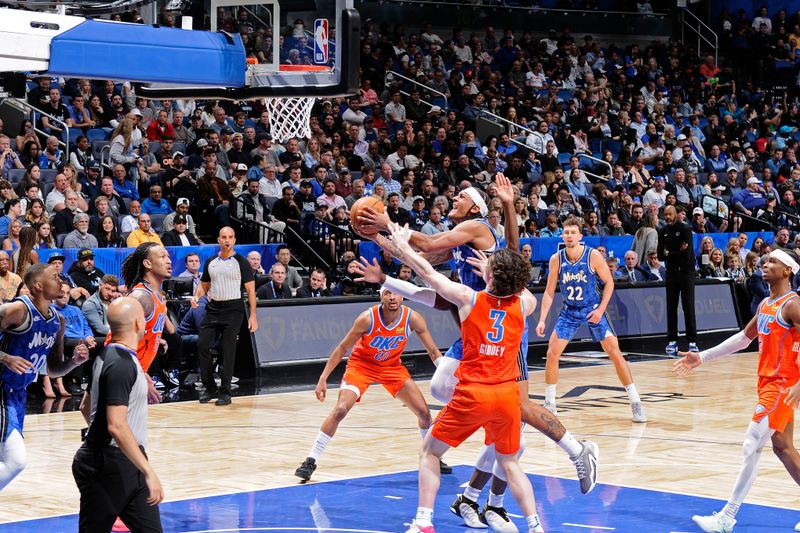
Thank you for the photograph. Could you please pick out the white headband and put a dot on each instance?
(786, 259)
(476, 197)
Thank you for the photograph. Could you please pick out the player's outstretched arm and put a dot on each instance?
(57, 366)
(372, 273)
(360, 326)
(549, 292)
(691, 360)
(420, 327)
(505, 191)
(456, 293)
(461, 234)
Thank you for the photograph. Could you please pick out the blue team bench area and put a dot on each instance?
(387, 503)
(109, 260)
(545, 247)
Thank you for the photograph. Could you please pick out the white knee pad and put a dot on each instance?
(486, 459)
(13, 458)
(444, 382)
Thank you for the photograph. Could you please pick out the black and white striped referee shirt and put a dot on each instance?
(227, 277)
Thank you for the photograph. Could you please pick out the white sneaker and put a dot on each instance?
(498, 519)
(420, 529)
(550, 406)
(469, 511)
(715, 523)
(797, 527)
(638, 412)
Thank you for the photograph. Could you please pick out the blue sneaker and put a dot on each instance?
(693, 347)
(159, 385)
(672, 349)
(174, 377)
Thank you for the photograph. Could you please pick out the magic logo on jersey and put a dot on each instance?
(569, 277)
(41, 339)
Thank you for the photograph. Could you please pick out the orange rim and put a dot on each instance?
(304, 68)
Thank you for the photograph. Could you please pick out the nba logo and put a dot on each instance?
(321, 41)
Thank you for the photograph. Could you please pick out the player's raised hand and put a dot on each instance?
(321, 390)
(479, 262)
(540, 329)
(504, 189)
(688, 362)
(373, 220)
(400, 235)
(370, 273)
(18, 365)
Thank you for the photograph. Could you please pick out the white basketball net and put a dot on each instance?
(289, 117)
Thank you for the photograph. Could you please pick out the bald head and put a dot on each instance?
(126, 318)
(670, 214)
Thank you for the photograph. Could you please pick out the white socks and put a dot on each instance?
(533, 522)
(633, 395)
(496, 500)
(320, 443)
(569, 444)
(471, 493)
(424, 516)
(550, 393)
(13, 458)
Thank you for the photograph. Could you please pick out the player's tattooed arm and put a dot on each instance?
(144, 298)
(57, 365)
(13, 314)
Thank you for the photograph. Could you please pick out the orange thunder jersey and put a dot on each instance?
(382, 345)
(153, 327)
(778, 341)
(491, 335)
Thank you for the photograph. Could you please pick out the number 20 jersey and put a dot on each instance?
(578, 282)
(32, 341)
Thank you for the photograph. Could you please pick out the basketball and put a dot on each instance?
(356, 211)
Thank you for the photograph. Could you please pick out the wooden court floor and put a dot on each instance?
(691, 444)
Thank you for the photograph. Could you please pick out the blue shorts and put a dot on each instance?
(571, 318)
(456, 352)
(12, 411)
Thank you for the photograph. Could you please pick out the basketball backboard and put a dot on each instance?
(294, 47)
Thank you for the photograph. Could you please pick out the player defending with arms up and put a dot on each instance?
(31, 333)
(380, 335)
(578, 269)
(487, 394)
(777, 326)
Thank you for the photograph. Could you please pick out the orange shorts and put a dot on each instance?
(771, 393)
(359, 378)
(495, 408)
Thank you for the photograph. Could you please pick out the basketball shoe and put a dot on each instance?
(420, 529)
(550, 406)
(715, 523)
(469, 511)
(672, 349)
(498, 519)
(305, 470)
(693, 347)
(586, 465)
(638, 412)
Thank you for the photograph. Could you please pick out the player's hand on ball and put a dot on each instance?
(373, 220)
(321, 390)
(793, 396)
(370, 273)
(686, 364)
(478, 263)
(540, 329)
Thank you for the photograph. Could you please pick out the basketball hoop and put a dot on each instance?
(290, 116)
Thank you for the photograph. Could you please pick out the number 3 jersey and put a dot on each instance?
(32, 340)
(578, 281)
(382, 345)
(491, 333)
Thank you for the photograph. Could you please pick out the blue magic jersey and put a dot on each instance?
(463, 252)
(32, 341)
(578, 282)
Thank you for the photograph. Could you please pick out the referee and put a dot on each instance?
(111, 469)
(676, 248)
(222, 280)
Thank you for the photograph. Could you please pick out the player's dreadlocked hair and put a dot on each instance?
(132, 268)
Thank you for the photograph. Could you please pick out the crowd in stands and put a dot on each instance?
(609, 133)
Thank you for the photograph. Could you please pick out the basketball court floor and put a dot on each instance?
(228, 470)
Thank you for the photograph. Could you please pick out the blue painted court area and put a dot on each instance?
(380, 504)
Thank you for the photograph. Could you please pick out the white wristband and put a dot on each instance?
(423, 295)
(732, 344)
